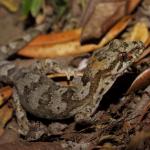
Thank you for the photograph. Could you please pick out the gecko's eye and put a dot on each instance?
(123, 56)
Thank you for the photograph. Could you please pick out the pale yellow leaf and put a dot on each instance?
(10, 5)
(138, 33)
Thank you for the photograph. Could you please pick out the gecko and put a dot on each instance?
(39, 95)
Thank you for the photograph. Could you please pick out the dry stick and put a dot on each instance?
(11, 48)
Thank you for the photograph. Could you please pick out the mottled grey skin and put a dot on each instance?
(44, 98)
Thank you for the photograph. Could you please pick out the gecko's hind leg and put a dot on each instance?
(20, 114)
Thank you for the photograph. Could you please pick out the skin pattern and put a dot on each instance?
(44, 98)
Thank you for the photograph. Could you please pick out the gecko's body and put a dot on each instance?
(44, 98)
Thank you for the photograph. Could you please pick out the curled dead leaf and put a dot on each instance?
(147, 43)
(69, 48)
(139, 33)
(5, 93)
(136, 140)
(100, 16)
(115, 30)
(1, 131)
(144, 54)
(56, 45)
(6, 113)
(141, 81)
(144, 61)
(56, 38)
(132, 4)
(10, 5)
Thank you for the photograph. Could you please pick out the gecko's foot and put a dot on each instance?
(70, 72)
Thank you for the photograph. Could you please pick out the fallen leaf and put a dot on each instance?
(143, 61)
(115, 30)
(1, 131)
(55, 38)
(5, 93)
(19, 145)
(6, 113)
(132, 4)
(58, 50)
(101, 16)
(145, 111)
(141, 81)
(147, 43)
(139, 33)
(10, 5)
(144, 54)
(57, 45)
(137, 139)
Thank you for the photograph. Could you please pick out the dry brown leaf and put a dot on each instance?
(115, 30)
(147, 43)
(56, 45)
(60, 47)
(132, 4)
(56, 38)
(144, 54)
(23, 145)
(1, 131)
(5, 93)
(139, 32)
(137, 139)
(100, 15)
(11, 5)
(141, 81)
(6, 113)
(57, 50)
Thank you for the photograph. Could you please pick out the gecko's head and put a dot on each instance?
(127, 51)
(124, 53)
(115, 57)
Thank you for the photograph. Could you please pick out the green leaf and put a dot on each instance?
(35, 7)
(26, 6)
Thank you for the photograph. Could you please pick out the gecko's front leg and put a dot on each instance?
(20, 114)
